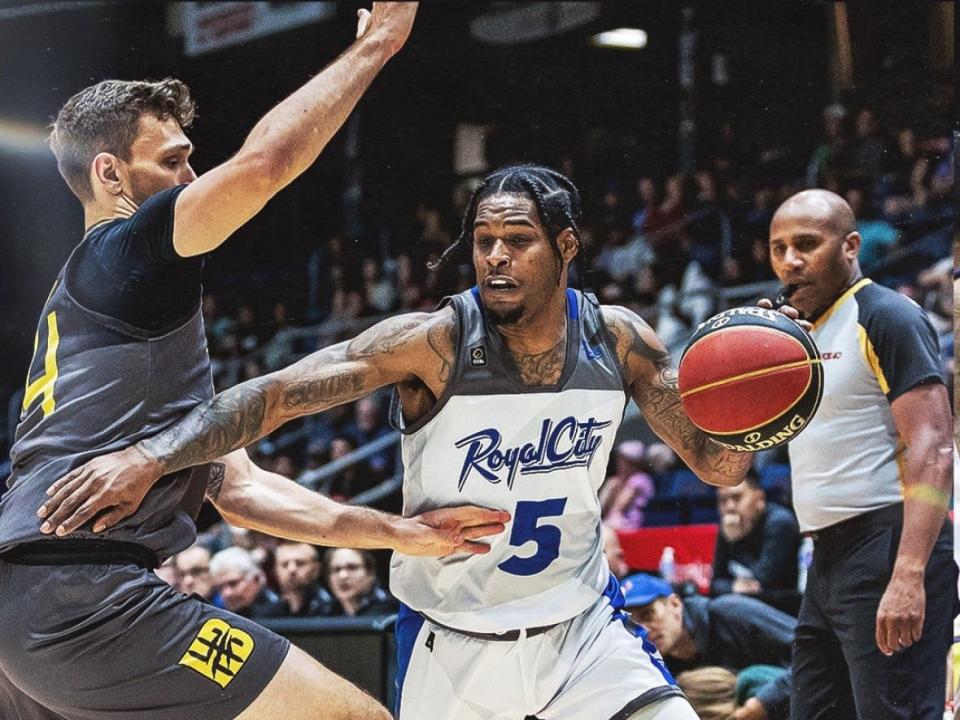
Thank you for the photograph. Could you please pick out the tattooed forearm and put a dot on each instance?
(215, 481)
(316, 394)
(232, 419)
(653, 380)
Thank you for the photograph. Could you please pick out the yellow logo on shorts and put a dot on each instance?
(218, 651)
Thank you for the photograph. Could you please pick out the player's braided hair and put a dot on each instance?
(106, 118)
(555, 196)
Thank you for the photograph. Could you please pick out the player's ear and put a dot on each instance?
(851, 245)
(567, 242)
(106, 173)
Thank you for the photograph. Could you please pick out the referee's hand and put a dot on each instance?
(901, 612)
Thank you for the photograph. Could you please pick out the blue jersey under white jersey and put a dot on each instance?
(538, 452)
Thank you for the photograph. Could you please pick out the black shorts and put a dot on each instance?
(88, 642)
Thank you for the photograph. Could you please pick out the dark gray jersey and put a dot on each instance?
(96, 385)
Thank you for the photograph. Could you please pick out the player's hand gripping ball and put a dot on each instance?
(751, 378)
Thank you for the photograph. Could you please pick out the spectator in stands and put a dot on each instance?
(733, 631)
(627, 491)
(193, 568)
(297, 569)
(711, 690)
(613, 551)
(352, 579)
(757, 544)
(242, 584)
(369, 424)
(168, 573)
(877, 236)
(834, 139)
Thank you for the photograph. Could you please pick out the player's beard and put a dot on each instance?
(506, 317)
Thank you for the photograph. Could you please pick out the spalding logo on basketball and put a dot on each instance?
(751, 378)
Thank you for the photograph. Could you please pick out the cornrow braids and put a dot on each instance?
(556, 198)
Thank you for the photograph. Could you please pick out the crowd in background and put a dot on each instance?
(665, 246)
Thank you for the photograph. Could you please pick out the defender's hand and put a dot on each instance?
(788, 310)
(449, 530)
(115, 483)
(901, 612)
(393, 20)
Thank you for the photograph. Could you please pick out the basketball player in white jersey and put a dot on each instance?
(509, 397)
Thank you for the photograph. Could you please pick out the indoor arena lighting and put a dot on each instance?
(23, 137)
(622, 38)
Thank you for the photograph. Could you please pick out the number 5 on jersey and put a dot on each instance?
(44, 385)
(526, 529)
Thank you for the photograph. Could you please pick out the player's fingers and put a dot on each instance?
(111, 518)
(478, 531)
(468, 515)
(473, 548)
(765, 303)
(79, 516)
(363, 19)
(70, 477)
(62, 505)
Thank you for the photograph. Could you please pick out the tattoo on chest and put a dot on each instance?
(543, 368)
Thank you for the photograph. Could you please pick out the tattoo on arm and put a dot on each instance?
(658, 396)
(215, 481)
(232, 419)
(441, 338)
(313, 395)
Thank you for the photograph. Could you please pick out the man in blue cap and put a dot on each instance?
(733, 631)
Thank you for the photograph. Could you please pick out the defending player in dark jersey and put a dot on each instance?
(88, 630)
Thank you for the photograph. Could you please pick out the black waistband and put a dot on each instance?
(889, 515)
(81, 552)
(508, 636)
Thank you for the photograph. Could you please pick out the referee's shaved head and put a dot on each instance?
(814, 245)
(822, 206)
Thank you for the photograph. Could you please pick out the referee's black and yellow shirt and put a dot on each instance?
(876, 345)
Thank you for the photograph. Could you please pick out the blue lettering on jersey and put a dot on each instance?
(566, 444)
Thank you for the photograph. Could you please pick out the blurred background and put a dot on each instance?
(683, 135)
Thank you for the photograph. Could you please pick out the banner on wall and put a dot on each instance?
(211, 26)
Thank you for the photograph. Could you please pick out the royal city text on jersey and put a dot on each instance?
(565, 444)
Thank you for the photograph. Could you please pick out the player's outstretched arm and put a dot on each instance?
(401, 348)
(249, 496)
(652, 379)
(288, 139)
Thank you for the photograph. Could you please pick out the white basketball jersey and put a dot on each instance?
(539, 453)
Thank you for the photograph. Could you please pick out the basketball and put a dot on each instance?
(750, 378)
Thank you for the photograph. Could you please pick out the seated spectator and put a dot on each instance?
(877, 236)
(757, 544)
(297, 568)
(711, 691)
(242, 585)
(624, 494)
(168, 573)
(733, 631)
(193, 567)
(613, 551)
(352, 579)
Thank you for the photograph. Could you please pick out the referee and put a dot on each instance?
(871, 483)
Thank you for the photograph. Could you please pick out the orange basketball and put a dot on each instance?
(751, 378)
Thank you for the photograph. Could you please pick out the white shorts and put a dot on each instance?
(598, 665)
